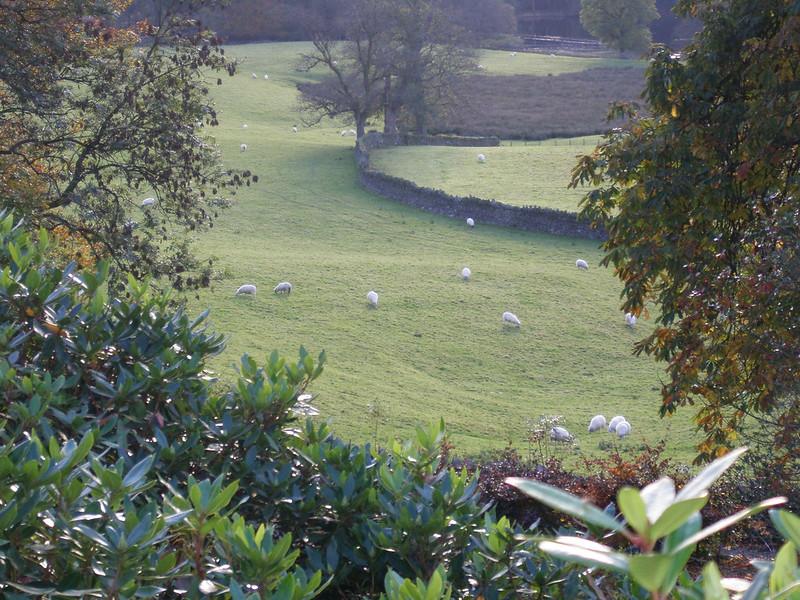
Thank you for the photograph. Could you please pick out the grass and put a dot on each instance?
(436, 346)
(497, 62)
(523, 173)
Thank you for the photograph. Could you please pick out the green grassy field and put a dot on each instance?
(495, 62)
(532, 173)
(436, 345)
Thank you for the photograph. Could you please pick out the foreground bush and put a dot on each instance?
(127, 471)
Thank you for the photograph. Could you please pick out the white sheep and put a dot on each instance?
(266, 76)
(294, 129)
(481, 158)
(353, 132)
(244, 125)
(509, 317)
(247, 288)
(148, 202)
(612, 425)
(344, 132)
(372, 298)
(623, 429)
(597, 423)
(255, 76)
(466, 273)
(560, 434)
(582, 264)
(481, 67)
(630, 319)
(470, 222)
(243, 147)
(513, 54)
(284, 287)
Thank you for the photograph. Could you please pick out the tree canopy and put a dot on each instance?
(620, 24)
(94, 117)
(700, 197)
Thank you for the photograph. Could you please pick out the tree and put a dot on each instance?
(433, 55)
(620, 24)
(93, 117)
(404, 58)
(701, 202)
(357, 66)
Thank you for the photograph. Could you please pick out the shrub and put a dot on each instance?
(127, 470)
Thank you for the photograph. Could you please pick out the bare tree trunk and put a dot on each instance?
(389, 112)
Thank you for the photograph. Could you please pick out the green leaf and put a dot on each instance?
(650, 570)
(676, 515)
(712, 583)
(567, 503)
(705, 479)
(787, 524)
(137, 472)
(657, 497)
(728, 521)
(679, 559)
(633, 509)
(784, 569)
(585, 552)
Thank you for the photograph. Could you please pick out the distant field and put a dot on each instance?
(496, 62)
(436, 346)
(533, 173)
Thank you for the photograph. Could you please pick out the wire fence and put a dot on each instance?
(589, 140)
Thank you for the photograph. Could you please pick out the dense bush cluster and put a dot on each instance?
(127, 471)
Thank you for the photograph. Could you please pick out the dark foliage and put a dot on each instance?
(532, 107)
(701, 201)
(94, 117)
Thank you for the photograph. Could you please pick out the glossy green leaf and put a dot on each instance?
(787, 524)
(676, 515)
(650, 570)
(585, 552)
(633, 509)
(727, 522)
(706, 478)
(712, 583)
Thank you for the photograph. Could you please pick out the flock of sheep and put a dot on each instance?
(466, 273)
(618, 425)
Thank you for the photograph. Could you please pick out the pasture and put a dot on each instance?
(522, 173)
(436, 346)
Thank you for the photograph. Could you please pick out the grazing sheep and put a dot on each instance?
(582, 264)
(560, 434)
(597, 423)
(344, 132)
(623, 429)
(466, 273)
(243, 147)
(481, 158)
(266, 76)
(247, 288)
(510, 317)
(372, 298)
(612, 425)
(353, 132)
(630, 319)
(513, 54)
(294, 129)
(255, 76)
(470, 222)
(284, 287)
(481, 67)
(148, 202)
(244, 125)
